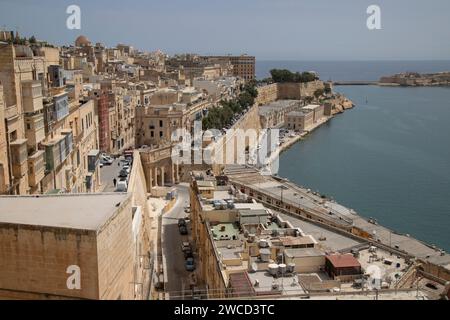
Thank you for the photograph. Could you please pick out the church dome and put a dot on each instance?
(82, 41)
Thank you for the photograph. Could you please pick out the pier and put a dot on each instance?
(355, 83)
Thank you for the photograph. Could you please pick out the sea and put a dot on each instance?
(389, 157)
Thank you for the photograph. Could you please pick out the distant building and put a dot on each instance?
(299, 120)
(243, 66)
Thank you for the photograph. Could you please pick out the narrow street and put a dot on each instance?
(177, 276)
(108, 173)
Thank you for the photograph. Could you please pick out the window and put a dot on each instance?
(160, 134)
(160, 123)
(152, 134)
(28, 126)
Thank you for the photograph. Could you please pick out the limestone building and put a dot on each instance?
(72, 247)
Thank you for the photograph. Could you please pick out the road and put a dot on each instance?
(177, 276)
(108, 173)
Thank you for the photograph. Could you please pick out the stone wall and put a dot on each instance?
(115, 256)
(267, 94)
(297, 91)
(38, 258)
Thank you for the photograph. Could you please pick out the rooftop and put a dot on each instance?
(343, 261)
(75, 211)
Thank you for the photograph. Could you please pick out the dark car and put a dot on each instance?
(181, 222)
(188, 254)
(190, 264)
(183, 230)
(123, 173)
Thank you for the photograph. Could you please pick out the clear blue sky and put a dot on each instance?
(269, 29)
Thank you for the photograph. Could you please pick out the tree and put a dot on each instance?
(318, 93)
(283, 75)
(32, 39)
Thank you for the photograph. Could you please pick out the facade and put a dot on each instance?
(243, 66)
(273, 114)
(299, 120)
(4, 161)
(46, 240)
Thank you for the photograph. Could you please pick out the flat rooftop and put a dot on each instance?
(75, 211)
(225, 231)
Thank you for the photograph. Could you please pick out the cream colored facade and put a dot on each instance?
(299, 120)
(4, 162)
(23, 78)
(43, 241)
(71, 172)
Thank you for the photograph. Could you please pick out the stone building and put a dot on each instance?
(23, 78)
(243, 66)
(299, 120)
(4, 161)
(72, 247)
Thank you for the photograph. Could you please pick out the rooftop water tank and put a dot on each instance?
(263, 243)
(273, 269)
(291, 267)
(282, 268)
(264, 254)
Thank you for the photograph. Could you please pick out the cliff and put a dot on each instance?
(339, 104)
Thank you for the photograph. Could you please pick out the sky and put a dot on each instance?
(268, 29)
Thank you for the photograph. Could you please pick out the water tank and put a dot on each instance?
(282, 268)
(263, 243)
(273, 269)
(291, 267)
(264, 254)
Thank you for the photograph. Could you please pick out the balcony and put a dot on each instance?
(36, 168)
(32, 96)
(19, 157)
(57, 150)
(11, 112)
(34, 129)
(93, 160)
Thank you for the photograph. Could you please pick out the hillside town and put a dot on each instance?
(95, 205)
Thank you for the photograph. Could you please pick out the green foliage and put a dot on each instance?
(222, 116)
(284, 75)
(318, 93)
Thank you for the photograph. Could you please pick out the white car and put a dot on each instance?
(126, 168)
(106, 160)
(121, 186)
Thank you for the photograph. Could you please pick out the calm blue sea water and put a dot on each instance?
(352, 70)
(388, 158)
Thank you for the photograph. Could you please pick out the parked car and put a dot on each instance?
(106, 160)
(185, 245)
(183, 230)
(126, 168)
(121, 186)
(188, 254)
(190, 264)
(181, 222)
(187, 209)
(123, 173)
